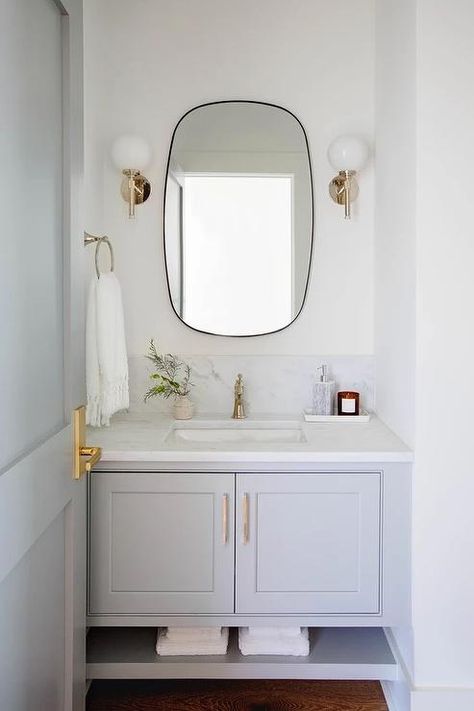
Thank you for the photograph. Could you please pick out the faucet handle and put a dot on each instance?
(239, 411)
(239, 385)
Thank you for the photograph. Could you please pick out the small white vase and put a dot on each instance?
(182, 408)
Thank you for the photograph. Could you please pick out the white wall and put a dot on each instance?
(443, 539)
(148, 62)
(430, 42)
(395, 220)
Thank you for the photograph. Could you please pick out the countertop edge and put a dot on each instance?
(121, 456)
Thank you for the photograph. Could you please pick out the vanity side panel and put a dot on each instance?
(396, 570)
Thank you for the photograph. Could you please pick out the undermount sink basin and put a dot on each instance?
(237, 435)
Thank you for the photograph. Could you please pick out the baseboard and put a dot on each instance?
(442, 700)
(402, 695)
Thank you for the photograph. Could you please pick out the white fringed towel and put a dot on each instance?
(214, 645)
(106, 351)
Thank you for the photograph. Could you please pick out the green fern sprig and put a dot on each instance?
(173, 376)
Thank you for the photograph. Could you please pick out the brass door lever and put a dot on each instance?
(85, 458)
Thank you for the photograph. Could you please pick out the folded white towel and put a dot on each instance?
(288, 646)
(170, 647)
(194, 633)
(274, 632)
(106, 352)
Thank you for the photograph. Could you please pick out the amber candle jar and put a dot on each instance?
(348, 402)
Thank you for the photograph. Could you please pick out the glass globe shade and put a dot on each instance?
(348, 153)
(131, 152)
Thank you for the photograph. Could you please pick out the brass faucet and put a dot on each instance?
(239, 412)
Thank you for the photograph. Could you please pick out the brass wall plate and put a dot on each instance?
(337, 187)
(143, 191)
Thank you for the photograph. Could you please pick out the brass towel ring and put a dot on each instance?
(89, 239)
(107, 242)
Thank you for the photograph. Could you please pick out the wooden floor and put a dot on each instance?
(254, 695)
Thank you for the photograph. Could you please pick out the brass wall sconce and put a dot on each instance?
(347, 155)
(131, 154)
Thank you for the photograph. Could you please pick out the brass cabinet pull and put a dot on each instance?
(245, 528)
(93, 454)
(225, 517)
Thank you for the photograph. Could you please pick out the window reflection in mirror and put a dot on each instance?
(238, 218)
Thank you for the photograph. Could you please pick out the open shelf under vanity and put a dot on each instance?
(335, 653)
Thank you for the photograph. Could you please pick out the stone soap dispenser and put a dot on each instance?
(323, 393)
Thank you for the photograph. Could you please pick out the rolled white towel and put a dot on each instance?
(273, 632)
(170, 647)
(194, 633)
(289, 646)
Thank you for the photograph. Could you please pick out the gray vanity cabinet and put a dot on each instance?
(308, 543)
(162, 543)
(305, 543)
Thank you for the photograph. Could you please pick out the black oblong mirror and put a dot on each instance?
(238, 218)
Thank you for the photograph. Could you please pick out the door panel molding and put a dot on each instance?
(25, 510)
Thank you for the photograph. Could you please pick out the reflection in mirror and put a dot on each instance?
(238, 218)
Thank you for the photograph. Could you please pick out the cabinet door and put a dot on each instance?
(161, 543)
(311, 545)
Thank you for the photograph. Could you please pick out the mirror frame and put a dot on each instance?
(311, 189)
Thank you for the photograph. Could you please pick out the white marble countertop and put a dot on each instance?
(144, 437)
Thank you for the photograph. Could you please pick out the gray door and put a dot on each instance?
(42, 510)
(308, 543)
(161, 543)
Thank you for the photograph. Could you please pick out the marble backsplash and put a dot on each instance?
(273, 384)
